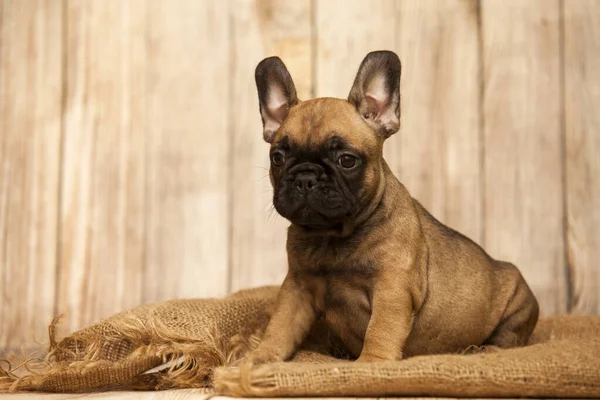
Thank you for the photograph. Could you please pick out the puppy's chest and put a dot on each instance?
(343, 302)
(343, 293)
(342, 281)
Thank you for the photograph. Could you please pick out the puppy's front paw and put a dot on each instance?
(261, 356)
(473, 349)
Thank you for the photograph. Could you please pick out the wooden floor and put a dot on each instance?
(184, 394)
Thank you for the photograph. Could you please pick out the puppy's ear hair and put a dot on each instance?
(376, 91)
(276, 94)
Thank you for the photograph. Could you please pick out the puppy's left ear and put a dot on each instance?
(376, 91)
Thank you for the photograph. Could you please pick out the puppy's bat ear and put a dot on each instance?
(276, 94)
(376, 91)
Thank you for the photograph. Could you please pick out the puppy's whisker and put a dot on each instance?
(268, 206)
(271, 213)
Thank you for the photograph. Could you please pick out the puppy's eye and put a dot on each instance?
(277, 158)
(347, 161)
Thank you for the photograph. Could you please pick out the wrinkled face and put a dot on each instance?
(326, 154)
(324, 164)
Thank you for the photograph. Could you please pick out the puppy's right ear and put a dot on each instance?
(276, 94)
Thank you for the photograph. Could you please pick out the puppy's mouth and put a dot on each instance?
(333, 229)
(337, 228)
(318, 212)
(315, 221)
(320, 227)
(309, 218)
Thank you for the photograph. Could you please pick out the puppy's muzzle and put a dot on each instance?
(305, 182)
(305, 177)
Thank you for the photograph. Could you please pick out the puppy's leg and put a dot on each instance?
(293, 317)
(520, 316)
(390, 323)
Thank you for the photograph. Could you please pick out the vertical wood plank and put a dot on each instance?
(436, 154)
(582, 140)
(522, 139)
(30, 132)
(102, 235)
(258, 234)
(188, 156)
(345, 32)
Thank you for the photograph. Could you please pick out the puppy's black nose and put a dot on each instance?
(305, 181)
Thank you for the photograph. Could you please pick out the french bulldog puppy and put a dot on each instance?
(365, 258)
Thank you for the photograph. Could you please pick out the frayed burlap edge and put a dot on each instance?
(72, 365)
(563, 359)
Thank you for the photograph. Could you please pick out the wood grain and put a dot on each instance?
(582, 140)
(436, 154)
(175, 394)
(30, 136)
(258, 234)
(187, 149)
(345, 31)
(181, 394)
(102, 201)
(522, 141)
(132, 167)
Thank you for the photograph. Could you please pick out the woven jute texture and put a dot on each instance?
(201, 340)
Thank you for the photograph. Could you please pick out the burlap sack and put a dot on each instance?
(198, 336)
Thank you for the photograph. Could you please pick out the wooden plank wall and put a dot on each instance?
(31, 68)
(581, 152)
(132, 167)
(522, 142)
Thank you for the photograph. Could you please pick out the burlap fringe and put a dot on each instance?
(181, 343)
(189, 363)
